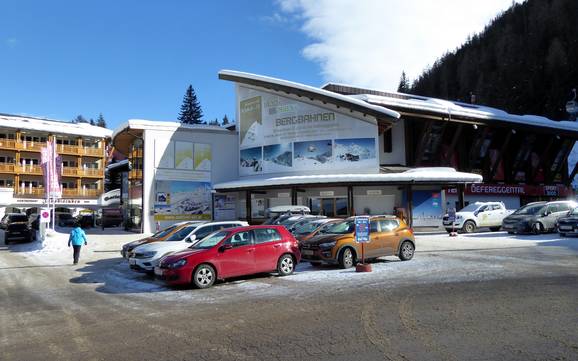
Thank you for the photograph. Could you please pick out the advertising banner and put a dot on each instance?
(225, 207)
(182, 201)
(280, 135)
(362, 229)
(427, 209)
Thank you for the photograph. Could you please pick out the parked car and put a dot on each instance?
(17, 228)
(568, 224)
(232, 253)
(144, 258)
(537, 217)
(34, 221)
(301, 220)
(311, 228)
(159, 236)
(66, 220)
(389, 236)
(477, 215)
(277, 214)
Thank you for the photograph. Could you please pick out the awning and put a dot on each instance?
(417, 176)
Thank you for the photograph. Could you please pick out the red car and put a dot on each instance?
(231, 253)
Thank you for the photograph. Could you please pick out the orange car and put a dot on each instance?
(389, 236)
(159, 236)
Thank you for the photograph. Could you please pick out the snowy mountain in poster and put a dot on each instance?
(251, 161)
(317, 154)
(277, 158)
(356, 152)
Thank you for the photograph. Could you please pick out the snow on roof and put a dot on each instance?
(440, 175)
(306, 88)
(458, 109)
(53, 126)
(165, 125)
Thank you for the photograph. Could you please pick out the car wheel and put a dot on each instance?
(449, 230)
(562, 234)
(406, 251)
(469, 227)
(495, 229)
(346, 258)
(204, 276)
(537, 228)
(510, 232)
(285, 265)
(316, 264)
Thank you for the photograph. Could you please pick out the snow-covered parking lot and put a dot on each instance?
(439, 259)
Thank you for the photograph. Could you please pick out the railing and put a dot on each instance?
(69, 171)
(8, 143)
(135, 174)
(29, 169)
(7, 167)
(92, 172)
(94, 152)
(30, 191)
(67, 149)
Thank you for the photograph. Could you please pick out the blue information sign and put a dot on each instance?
(361, 229)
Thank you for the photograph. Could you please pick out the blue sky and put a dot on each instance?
(135, 59)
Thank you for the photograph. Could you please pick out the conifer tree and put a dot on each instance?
(403, 86)
(191, 112)
(100, 122)
(225, 121)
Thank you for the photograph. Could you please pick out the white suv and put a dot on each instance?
(144, 258)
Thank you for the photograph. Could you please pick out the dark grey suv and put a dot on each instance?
(537, 217)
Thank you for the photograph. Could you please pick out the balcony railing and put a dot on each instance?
(30, 191)
(93, 152)
(7, 144)
(69, 171)
(135, 174)
(92, 172)
(29, 169)
(67, 149)
(7, 167)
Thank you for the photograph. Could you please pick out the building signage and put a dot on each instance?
(362, 229)
(44, 215)
(280, 135)
(182, 201)
(225, 207)
(58, 201)
(514, 190)
(326, 193)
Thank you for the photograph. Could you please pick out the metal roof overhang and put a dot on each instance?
(264, 82)
(497, 123)
(123, 139)
(405, 178)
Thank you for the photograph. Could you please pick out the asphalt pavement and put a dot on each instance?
(477, 297)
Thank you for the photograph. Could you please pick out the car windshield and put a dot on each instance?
(574, 212)
(65, 216)
(181, 233)
(470, 208)
(18, 218)
(531, 209)
(163, 232)
(306, 228)
(338, 228)
(211, 240)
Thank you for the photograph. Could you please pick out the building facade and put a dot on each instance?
(81, 146)
(170, 171)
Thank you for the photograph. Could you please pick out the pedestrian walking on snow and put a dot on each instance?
(77, 238)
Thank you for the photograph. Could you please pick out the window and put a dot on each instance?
(240, 239)
(69, 163)
(387, 141)
(266, 235)
(6, 159)
(388, 225)
(205, 231)
(496, 207)
(565, 207)
(373, 227)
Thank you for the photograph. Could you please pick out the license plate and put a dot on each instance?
(565, 228)
(15, 232)
(132, 261)
(307, 252)
(158, 271)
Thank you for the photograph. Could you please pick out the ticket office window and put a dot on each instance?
(330, 207)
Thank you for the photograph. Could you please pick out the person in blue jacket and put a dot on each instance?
(77, 238)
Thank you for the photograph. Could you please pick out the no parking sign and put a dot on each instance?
(44, 215)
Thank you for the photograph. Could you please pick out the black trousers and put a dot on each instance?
(76, 253)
